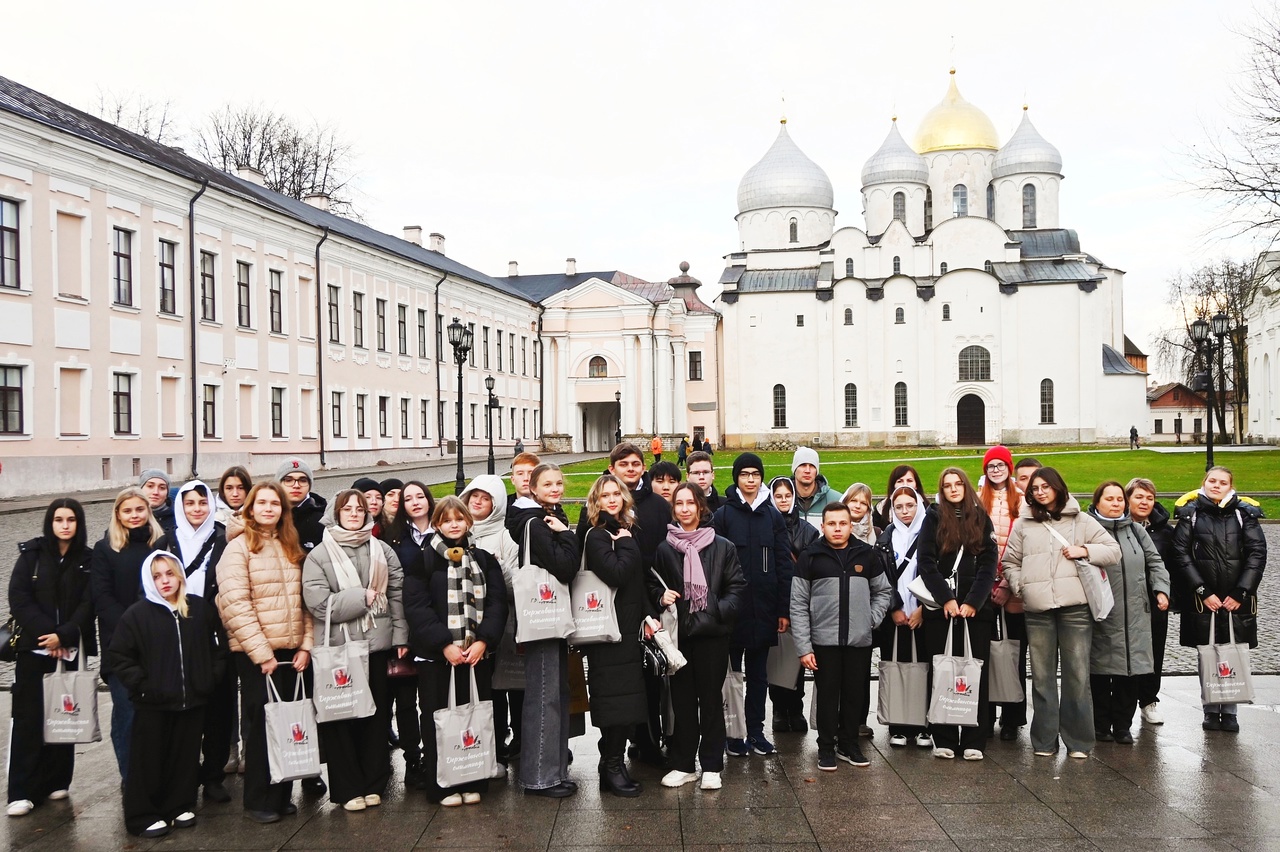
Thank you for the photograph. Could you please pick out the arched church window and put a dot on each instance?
(851, 406)
(897, 265)
(848, 266)
(597, 368)
(975, 364)
(848, 316)
(795, 231)
(960, 200)
(900, 206)
(900, 404)
(928, 209)
(899, 316)
(942, 269)
(946, 313)
(1046, 401)
(991, 201)
(987, 267)
(1029, 206)
(779, 407)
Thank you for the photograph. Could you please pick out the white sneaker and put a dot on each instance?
(924, 741)
(59, 795)
(972, 754)
(372, 800)
(1151, 714)
(1078, 755)
(453, 800)
(22, 807)
(898, 740)
(710, 781)
(676, 778)
(467, 798)
(944, 753)
(357, 804)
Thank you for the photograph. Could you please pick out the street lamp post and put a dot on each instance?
(460, 338)
(617, 397)
(488, 422)
(1200, 330)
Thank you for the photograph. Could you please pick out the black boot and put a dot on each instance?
(614, 779)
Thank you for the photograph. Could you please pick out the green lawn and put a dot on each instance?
(1082, 468)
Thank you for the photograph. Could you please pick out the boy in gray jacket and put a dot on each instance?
(839, 593)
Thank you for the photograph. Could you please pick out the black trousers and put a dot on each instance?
(1149, 684)
(884, 638)
(1115, 698)
(696, 700)
(356, 750)
(433, 695)
(935, 639)
(842, 689)
(259, 793)
(1013, 714)
(219, 721)
(402, 692)
(35, 769)
(164, 766)
(508, 705)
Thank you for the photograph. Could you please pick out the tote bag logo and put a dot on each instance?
(962, 686)
(593, 602)
(546, 594)
(69, 704)
(297, 734)
(469, 739)
(341, 678)
(1225, 669)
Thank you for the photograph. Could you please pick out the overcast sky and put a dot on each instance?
(617, 133)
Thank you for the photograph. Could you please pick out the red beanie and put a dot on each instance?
(998, 453)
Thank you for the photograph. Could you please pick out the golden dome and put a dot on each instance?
(954, 124)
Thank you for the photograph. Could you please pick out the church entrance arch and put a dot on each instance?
(971, 420)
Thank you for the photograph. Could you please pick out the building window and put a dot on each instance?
(275, 300)
(422, 334)
(799, 320)
(899, 316)
(991, 201)
(900, 206)
(383, 429)
(848, 266)
(1029, 206)
(122, 275)
(243, 313)
(380, 311)
(1159, 430)
(1046, 401)
(928, 209)
(848, 316)
(472, 326)
(11, 419)
(440, 419)
(473, 421)
(361, 403)
(424, 414)
(335, 407)
(122, 403)
(851, 406)
(404, 419)
(524, 356)
(9, 276)
(357, 319)
(402, 329)
(1177, 425)
(695, 366)
(209, 412)
(440, 336)
(484, 342)
(335, 315)
(942, 268)
(946, 312)
(897, 265)
(497, 340)
(277, 412)
(597, 368)
(795, 231)
(511, 352)
(960, 200)
(208, 288)
(168, 278)
(988, 267)
(779, 407)
(900, 404)
(975, 364)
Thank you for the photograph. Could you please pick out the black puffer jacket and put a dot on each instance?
(726, 588)
(49, 593)
(308, 518)
(1223, 549)
(1161, 532)
(168, 662)
(652, 514)
(557, 552)
(116, 583)
(616, 682)
(975, 575)
(764, 552)
(426, 602)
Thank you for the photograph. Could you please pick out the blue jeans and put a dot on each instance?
(121, 723)
(756, 675)
(544, 749)
(1064, 634)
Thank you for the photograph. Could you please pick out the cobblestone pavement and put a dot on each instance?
(1178, 788)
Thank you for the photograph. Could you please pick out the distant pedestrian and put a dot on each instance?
(1133, 437)
(682, 453)
(655, 447)
(519, 447)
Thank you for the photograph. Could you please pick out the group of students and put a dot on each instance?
(208, 602)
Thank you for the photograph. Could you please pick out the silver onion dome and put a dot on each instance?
(1027, 151)
(785, 177)
(895, 162)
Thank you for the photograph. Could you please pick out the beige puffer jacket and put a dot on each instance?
(260, 600)
(1034, 564)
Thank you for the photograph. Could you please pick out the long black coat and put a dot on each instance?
(726, 588)
(115, 578)
(50, 594)
(1223, 549)
(975, 575)
(167, 662)
(557, 552)
(764, 552)
(615, 679)
(426, 603)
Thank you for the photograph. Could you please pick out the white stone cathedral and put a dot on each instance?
(961, 312)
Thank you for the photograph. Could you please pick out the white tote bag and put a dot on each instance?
(921, 592)
(71, 704)
(466, 748)
(1226, 676)
(341, 677)
(542, 603)
(595, 617)
(1097, 587)
(1004, 674)
(293, 750)
(956, 681)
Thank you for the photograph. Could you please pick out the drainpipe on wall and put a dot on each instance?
(439, 343)
(191, 309)
(542, 375)
(320, 346)
(653, 364)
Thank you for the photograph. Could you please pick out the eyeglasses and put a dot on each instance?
(751, 474)
(997, 465)
(1041, 489)
(294, 480)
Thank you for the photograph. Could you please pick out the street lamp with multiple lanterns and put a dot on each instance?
(1220, 326)
(460, 338)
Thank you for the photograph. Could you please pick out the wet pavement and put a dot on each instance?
(1177, 788)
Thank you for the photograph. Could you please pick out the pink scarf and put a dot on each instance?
(695, 579)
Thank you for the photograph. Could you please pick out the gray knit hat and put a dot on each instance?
(154, 473)
(294, 465)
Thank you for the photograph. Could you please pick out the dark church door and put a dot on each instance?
(971, 420)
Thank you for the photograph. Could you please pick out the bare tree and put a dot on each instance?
(139, 114)
(296, 161)
(1228, 287)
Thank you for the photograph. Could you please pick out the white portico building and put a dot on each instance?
(960, 313)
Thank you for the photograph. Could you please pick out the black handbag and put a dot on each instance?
(10, 633)
(653, 661)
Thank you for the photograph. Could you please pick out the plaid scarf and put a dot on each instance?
(465, 604)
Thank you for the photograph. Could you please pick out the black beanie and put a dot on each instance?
(390, 485)
(364, 483)
(745, 461)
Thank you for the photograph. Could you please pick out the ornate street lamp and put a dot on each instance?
(460, 338)
(1200, 330)
(488, 423)
(617, 397)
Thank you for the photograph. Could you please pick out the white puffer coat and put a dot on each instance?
(1033, 560)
